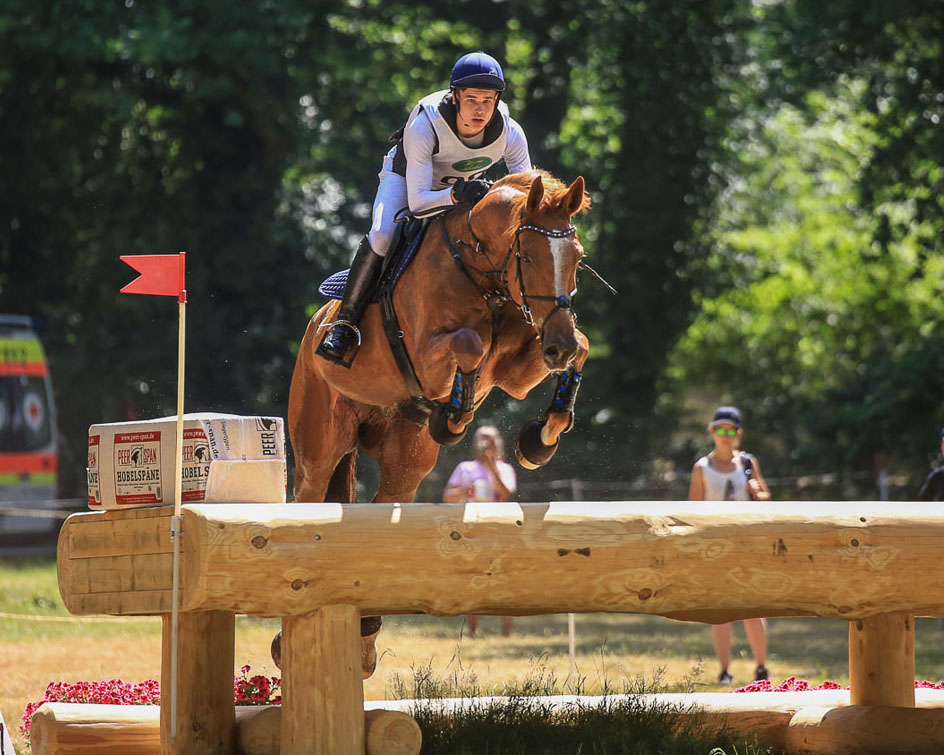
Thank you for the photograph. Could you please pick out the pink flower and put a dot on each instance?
(792, 684)
(258, 690)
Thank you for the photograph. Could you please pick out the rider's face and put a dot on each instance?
(475, 108)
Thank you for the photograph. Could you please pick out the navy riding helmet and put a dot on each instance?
(477, 70)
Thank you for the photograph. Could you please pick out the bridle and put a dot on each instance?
(502, 294)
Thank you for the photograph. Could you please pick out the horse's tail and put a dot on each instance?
(343, 483)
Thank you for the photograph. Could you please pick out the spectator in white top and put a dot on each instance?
(728, 474)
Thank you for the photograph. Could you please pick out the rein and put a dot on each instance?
(496, 296)
(503, 294)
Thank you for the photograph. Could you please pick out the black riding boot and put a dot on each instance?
(361, 279)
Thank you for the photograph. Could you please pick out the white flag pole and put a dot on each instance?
(177, 521)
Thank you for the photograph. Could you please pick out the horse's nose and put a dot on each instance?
(559, 352)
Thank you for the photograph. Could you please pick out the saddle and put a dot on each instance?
(406, 242)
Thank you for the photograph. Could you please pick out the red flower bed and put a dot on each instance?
(247, 690)
(792, 684)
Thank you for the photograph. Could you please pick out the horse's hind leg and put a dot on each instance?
(342, 486)
(406, 454)
(323, 430)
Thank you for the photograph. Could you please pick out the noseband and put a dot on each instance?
(503, 294)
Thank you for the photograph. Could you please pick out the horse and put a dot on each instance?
(489, 295)
(487, 302)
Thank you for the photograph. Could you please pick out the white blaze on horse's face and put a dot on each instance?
(559, 249)
(557, 256)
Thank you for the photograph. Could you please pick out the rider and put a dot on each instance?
(439, 160)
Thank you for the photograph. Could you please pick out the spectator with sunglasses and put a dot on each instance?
(728, 474)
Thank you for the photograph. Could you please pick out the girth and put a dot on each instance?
(418, 408)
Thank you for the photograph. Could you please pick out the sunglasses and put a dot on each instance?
(726, 431)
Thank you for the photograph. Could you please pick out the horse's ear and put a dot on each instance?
(534, 196)
(573, 200)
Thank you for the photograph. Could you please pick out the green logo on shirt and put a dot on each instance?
(473, 163)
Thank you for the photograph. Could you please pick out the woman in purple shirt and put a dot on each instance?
(486, 477)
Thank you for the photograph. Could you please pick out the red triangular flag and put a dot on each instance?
(161, 274)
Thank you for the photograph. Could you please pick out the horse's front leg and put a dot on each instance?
(450, 420)
(539, 438)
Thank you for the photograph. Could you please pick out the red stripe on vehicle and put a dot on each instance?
(27, 463)
(33, 369)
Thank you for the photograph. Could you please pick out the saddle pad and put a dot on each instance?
(333, 286)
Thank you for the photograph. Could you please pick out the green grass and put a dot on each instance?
(31, 588)
(614, 651)
(523, 723)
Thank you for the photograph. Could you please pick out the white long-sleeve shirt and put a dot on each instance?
(434, 156)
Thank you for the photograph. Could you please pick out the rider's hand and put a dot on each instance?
(470, 191)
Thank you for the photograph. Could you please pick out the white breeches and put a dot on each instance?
(390, 198)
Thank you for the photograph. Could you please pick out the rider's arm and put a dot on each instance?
(419, 141)
(517, 157)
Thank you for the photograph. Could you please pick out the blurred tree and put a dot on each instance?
(825, 335)
(251, 136)
(650, 105)
(145, 129)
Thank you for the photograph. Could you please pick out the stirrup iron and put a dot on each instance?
(351, 351)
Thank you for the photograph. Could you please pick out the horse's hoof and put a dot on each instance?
(439, 427)
(369, 655)
(370, 624)
(276, 650)
(529, 449)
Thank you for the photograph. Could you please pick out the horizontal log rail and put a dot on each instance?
(321, 566)
(711, 562)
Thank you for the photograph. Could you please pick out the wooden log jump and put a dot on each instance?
(87, 729)
(321, 566)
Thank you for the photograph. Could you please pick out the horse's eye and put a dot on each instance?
(526, 259)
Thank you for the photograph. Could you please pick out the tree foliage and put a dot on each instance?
(831, 244)
(250, 136)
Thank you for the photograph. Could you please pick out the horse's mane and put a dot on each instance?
(554, 189)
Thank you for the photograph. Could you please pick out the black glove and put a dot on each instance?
(470, 191)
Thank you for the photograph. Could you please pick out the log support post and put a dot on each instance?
(206, 714)
(882, 660)
(322, 688)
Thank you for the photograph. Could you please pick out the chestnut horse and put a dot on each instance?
(485, 303)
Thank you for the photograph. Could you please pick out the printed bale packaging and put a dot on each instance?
(131, 464)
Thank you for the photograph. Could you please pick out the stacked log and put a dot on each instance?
(86, 729)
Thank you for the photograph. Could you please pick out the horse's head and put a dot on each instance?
(544, 254)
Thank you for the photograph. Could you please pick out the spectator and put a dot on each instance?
(933, 487)
(486, 477)
(728, 474)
